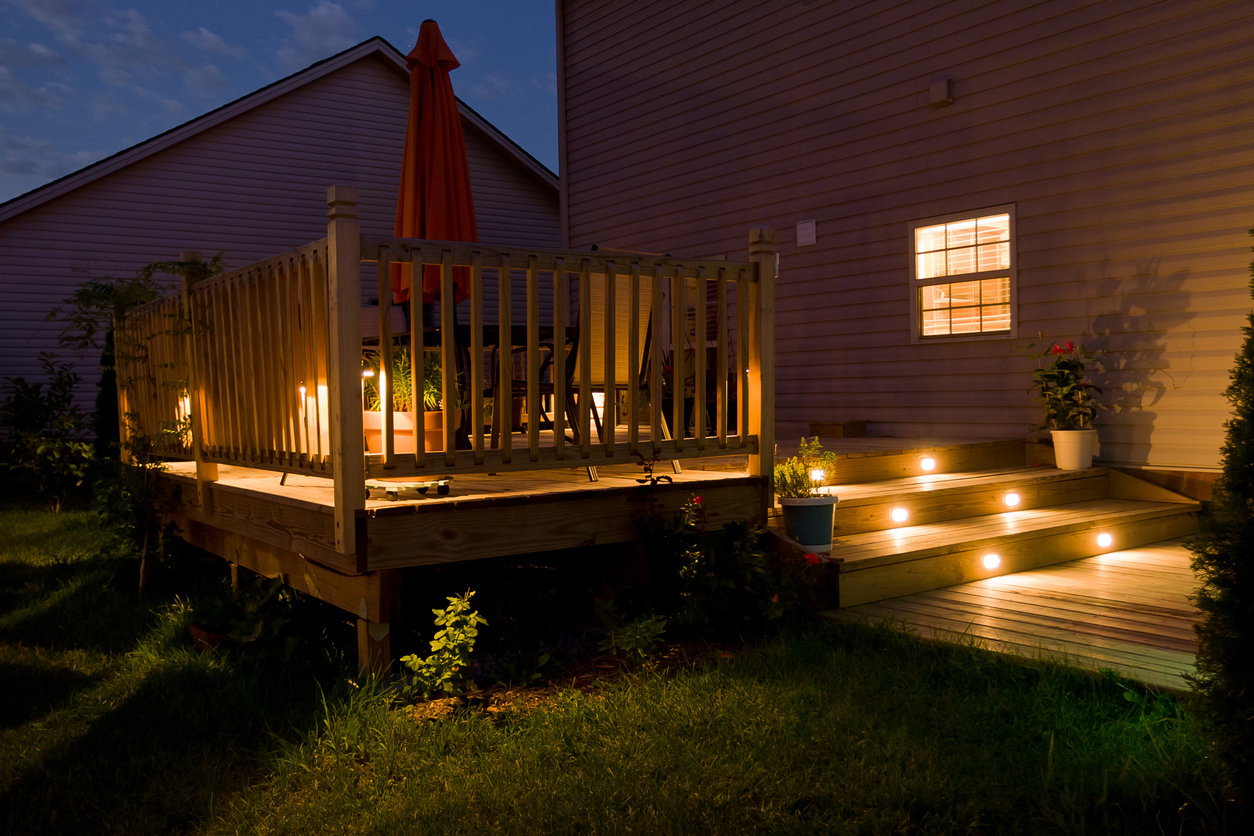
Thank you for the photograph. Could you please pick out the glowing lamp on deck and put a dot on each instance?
(927, 463)
(992, 561)
(367, 372)
(900, 515)
(1104, 540)
(1011, 500)
(817, 475)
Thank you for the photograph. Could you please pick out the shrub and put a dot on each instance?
(442, 671)
(1224, 685)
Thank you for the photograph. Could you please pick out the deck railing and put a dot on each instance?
(261, 367)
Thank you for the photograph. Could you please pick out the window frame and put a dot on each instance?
(917, 284)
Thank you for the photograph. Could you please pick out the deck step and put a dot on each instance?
(875, 565)
(932, 499)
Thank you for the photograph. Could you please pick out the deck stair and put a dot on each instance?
(958, 516)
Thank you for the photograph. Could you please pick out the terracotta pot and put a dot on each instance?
(433, 431)
(1073, 449)
(402, 431)
(809, 521)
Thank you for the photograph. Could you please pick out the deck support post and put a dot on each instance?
(344, 363)
(762, 359)
(374, 630)
(197, 408)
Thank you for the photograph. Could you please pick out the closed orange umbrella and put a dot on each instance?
(434, 200)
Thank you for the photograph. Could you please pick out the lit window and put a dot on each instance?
(979, 248)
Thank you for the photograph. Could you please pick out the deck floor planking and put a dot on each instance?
(1128, 610)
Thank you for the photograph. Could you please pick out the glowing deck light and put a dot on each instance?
(927, 463)
(992, 561)
(817, 475)
(364, 373)
(1105, 540)
(900, 515)
(1012, 500)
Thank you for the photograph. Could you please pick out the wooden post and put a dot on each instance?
(374, 629)
(762, 358)
(344, 363)
(197, 405)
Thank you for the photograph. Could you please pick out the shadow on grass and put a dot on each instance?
(189, 735)
(31, 691)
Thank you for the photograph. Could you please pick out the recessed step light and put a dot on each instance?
(1011, 500)
(992, 561)
(927, 463)
(900, 515)
(1105, 540)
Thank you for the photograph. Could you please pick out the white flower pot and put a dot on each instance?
(809, 521)
(1073, 449)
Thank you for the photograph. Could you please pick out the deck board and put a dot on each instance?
(1129, 611)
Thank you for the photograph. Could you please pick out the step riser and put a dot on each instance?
(940, 505)
(964, 562)
(879, 468)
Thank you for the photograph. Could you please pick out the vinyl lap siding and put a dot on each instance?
(1121, 131)
(250, 187)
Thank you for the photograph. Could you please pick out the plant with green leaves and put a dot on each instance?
(402, 382)
(1224, 684)
(443, 671)
(637, 640)
(44, 432)
(795, 476)
(1062, 388)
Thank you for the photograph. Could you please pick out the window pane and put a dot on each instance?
(931, 265)
(994, 256)
(965, 320)
(935, 296)
(993, 228)
(961, 261)
(995, 291)
(965, 293)
(929, 238)
(935, 323)
(997, 318)
(960, 233)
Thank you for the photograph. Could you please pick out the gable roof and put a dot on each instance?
(375, 46)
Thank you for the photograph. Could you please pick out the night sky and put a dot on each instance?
(83, 79)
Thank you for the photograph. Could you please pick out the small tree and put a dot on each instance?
(1222, 559)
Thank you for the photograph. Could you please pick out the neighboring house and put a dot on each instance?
(1104, 150)
(248, 180)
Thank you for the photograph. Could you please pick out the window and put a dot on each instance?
(963, 275)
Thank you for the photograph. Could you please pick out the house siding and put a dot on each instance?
(1123, 133)
(249, 187)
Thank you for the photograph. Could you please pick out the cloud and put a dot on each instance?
(16, 94)
(13, 54)
(490, 87)
(547, 85)
(23, 155)
(210, 42)
(324, 31)
(205, 80)
(66, 18)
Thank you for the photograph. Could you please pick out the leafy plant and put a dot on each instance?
(402, 382)
(442, 671)
(637, 640)
(44, 432)
(1061, 387)
(794, 477)
(1224, 684)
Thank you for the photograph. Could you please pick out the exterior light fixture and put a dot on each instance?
(1012, 500)
(992, 561)
(366, 372)
(817, 475)
(900, 515)
(1104, 540)
(927, 463)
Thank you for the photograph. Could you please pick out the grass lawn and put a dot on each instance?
(109, 722)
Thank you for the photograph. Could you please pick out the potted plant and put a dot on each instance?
(403, 405)
(808, 512)
(1068, 399)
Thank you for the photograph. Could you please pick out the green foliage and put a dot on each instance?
(403, 383)
(1061, 387)
(1224, 684)
(256, 617)
(718, 582)
(43, 433)
(794, 476)
(636, 640)
(442, 671)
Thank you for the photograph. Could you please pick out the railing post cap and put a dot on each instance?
(761, 236)
(342, 201)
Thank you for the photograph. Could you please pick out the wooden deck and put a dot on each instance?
(1128, 610)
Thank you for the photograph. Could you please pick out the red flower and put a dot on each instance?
(1067, 348)
(812, 558)
(698, 499)
(775, 598)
